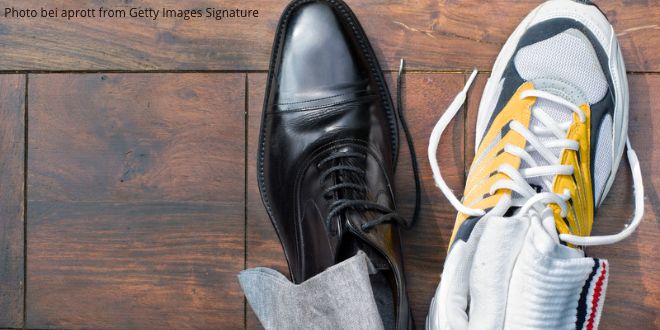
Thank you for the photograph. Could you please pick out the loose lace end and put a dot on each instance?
(411, 145)
(439, 128)
(638, 184)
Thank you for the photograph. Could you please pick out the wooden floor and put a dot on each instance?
(127, 158)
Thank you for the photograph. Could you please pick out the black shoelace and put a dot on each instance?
(351, 187)
(411, 145)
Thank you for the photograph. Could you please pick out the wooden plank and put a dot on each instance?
(107, 265)
(136, 201)
(432, 35)
(427, 95)
(128, 137)
(426, 98)
(633, 297)
(12, 150)
(263, 246)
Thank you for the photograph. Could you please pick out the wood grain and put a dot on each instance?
(146, 137)
(140, 213)
(432, 35)
(263, 246)
(148, 265)
(12, 150)
(633, 295)
(427, 96)
(633, 298)
(136, 201)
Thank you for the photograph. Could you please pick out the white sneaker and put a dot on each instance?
(551, 131)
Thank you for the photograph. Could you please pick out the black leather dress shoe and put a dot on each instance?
(328, 151)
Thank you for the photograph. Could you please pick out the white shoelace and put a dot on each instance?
(530, 200)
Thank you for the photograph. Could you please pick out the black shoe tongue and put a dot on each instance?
(350, 245)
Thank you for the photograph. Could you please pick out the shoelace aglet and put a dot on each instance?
(470, 80)
(460, 99)
(402, 64)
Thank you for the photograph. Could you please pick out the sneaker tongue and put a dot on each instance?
(558, 112)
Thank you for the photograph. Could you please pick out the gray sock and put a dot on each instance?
(339, 298)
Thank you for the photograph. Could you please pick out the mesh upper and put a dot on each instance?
(567, 57)
(603, 162)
